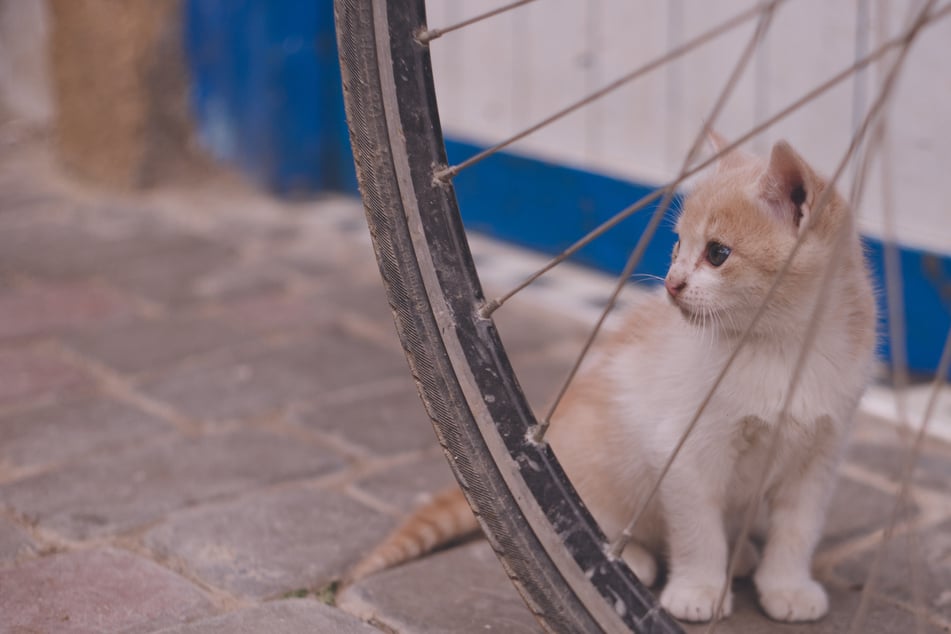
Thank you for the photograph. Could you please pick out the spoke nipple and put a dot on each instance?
(424, 36)
(537, 433)
(443, 175)
(488, 308)
(615, 548)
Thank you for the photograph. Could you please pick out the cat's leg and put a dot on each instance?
(787, 591)
(698, 547)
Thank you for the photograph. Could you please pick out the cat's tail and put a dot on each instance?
(444, 519)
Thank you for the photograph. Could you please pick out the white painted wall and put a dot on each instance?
(505, 73)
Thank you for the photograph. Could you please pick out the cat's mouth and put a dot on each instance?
(688, 314)
(694, 316)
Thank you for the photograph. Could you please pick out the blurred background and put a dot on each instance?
(205, 414)
(137, 93)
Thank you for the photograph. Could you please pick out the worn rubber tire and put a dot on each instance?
(545, 538)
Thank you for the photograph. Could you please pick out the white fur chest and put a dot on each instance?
(763, 378)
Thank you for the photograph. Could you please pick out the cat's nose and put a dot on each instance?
(674, 287)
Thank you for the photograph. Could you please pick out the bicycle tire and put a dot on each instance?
(547, 541)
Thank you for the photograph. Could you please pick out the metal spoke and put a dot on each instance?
(449, 172)
(427, 36)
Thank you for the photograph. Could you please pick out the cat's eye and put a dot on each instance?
(717, 253)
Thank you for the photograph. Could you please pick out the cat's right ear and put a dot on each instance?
(788, 186)
(732, 159)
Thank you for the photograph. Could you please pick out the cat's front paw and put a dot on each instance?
(694, 602)
(803, 601)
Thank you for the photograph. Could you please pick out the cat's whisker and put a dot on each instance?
(646, 276)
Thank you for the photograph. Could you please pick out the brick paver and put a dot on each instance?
(399, 421)
(148, 344)
(14, 541)
(29, 374)
(474, 596)
(99, 590)
(271, 543)
(116, 491)
(70, 429)
(406, 486)
(43, 309)
(291, 616)
(204, 411)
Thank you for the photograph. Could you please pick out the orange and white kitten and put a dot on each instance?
(625, 414)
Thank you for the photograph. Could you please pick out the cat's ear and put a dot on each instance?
(730, 160)
(789, 185)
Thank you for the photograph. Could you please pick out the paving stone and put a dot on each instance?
(14, 541)
(16, 200)
(364, 295)
(462, 590)
(265, 380)
(882, 617)
(101, 590)
(69, 246)
(857, 509)
(30, 374)
(888, 455)
(272, 311)
(67, 430)
(291, 616)
(330, 301)
(392, 420)
(149, 344)
(111, 492)
(410, 485)
(272, 542)
(244, 278)
(45, 309)
(172, 277)
(925, 555)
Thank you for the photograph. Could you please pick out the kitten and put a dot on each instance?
(621, 419)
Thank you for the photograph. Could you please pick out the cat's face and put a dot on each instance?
(736, 230)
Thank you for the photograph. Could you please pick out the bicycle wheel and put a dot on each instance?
(547, 541)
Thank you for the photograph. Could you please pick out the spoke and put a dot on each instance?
(628, 531)
(449, 172)
(428, 35)
(492, 305)
(634, 259)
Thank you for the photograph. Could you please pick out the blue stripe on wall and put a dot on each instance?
(266, 91)
(546, 207)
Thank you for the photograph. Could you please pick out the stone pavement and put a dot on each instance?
(205, 418)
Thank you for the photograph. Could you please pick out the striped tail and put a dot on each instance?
(446, 518)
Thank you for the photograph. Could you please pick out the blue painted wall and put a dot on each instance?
(266, 91)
